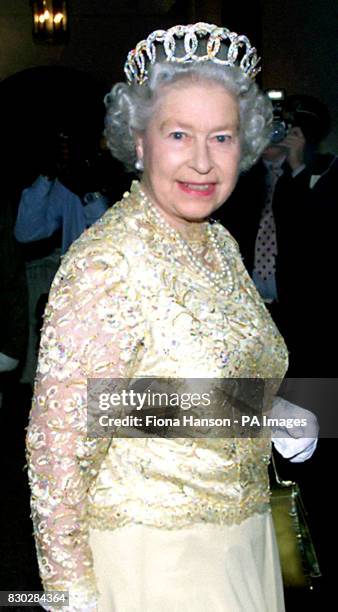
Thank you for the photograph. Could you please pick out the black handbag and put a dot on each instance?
(300, 567)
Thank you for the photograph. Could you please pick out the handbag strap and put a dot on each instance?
(279, 481)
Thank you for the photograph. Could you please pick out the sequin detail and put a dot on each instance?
(125, 303)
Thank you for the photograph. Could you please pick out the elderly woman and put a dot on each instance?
(156, 289)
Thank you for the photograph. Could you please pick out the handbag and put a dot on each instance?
(299, 563)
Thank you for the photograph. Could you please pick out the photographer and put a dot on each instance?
(69, 195)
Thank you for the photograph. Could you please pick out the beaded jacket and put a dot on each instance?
(127, 303)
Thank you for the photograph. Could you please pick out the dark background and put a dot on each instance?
(296, 39)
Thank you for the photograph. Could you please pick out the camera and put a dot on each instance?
(280, 127)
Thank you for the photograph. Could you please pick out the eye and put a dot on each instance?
(177, 135)
(223, 138)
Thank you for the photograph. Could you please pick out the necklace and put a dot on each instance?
(220, 280)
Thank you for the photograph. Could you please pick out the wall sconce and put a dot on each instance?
(50, 21)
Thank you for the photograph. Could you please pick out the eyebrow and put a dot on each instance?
(186, 126)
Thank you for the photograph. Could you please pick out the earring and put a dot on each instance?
(139, 165)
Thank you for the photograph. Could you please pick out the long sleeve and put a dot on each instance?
(92, 328)
(36, 219)
(47, 206)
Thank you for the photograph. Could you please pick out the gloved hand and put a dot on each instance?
(296, 435)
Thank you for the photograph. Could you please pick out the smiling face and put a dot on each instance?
(191, 151)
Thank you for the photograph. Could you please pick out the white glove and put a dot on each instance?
(296, 435)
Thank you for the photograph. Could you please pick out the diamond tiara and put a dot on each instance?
(237, 47)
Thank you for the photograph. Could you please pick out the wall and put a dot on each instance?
(300, 51)
(102, 32)
(297, 39)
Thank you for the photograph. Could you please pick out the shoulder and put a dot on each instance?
(108, 249)
(99, 271)
(225, 238)
(94, 289)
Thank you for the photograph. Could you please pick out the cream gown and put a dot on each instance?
(148, 524)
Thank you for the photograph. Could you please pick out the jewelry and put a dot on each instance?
(237, 48)
(139, 165)
(218, 279)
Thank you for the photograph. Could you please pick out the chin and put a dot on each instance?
(197, 211)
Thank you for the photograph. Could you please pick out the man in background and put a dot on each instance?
(284, 230)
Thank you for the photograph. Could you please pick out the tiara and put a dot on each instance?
(237, 46)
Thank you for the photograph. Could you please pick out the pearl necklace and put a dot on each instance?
(217, 279)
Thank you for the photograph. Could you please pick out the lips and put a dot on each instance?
(198, 189)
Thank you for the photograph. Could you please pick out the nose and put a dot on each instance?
(201, 160)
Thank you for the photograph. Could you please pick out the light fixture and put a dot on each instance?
(50, 21)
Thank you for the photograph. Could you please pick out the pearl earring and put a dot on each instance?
(139, 165)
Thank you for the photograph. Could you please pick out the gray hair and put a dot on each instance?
(129, 108)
